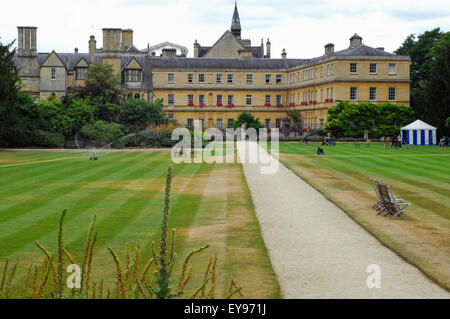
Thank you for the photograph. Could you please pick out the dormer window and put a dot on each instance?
(53, 74)
(134, 75)
(81, 73)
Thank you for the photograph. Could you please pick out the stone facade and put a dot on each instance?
(226, 79)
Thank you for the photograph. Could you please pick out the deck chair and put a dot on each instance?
(356, 141)
(368, 143)
(392, 205)
(380, 205)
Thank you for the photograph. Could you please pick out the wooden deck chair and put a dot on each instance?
(391, 204)
(378, 204)
(398, 207)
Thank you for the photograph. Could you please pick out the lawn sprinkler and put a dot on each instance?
(93, 157)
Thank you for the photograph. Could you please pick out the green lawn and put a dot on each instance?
(419, 174)
(210, 204)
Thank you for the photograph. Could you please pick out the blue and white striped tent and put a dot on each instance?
(419, 133)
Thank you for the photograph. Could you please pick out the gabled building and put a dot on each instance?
(225, 79)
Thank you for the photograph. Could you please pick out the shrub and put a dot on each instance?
(103, 132)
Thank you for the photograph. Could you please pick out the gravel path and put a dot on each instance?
(317, 251)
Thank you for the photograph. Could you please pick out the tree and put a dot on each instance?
(438, 85)
(249, 120)
(350, 120)
(421, 50)
(295, 118)
(9, 86)
(101, 85)
(66, 116)
(137, 114)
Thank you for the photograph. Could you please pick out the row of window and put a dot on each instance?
(220, 99)
(311, 74)
(135, 75)
(373, 68)
(392, 94)
(229, 78)
(219, 122)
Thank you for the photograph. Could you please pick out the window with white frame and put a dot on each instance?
(190, 78)
(353, 68)
(392, 68)
(82, 73)
(219, 123)
(170, 116)
(331, 95)
(202, 122)
(134, 75)
(230, 122)
(321, 94)
(53, 74)
(249, 78)
(248, 99)
(328, 69)
(219, 78)
(353, 94)
(190, 98)
(201, 99)
(190, 122)
(268, 123)
(268, 98)
(230, 99)
(332, 68)
(278, 123)
(321, 71)
(268, 78)
(201, 78)
(373, 94)
(279, 99)
(230, 78)
(373, 68)
(279, 78)
(137, 96)
(219, 98)
(392, 94)
(171, 78)
(171, 99)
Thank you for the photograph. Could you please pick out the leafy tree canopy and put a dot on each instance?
(351, 120)
(249, 120)
(137, 114)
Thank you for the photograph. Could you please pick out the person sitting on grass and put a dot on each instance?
(320, 151)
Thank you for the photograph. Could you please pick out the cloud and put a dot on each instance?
(300, 26)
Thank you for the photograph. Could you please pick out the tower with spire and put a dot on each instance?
(236, 23)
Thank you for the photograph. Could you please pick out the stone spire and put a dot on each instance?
(236, 23)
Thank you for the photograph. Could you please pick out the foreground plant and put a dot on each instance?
(156, 280)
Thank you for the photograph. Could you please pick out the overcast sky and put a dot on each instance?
(303, 27)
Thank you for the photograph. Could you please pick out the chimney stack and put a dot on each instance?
(355, 40)
(127, 38)
(268, 48)
(196, 49)
(262, 47)
(92, 48)
(329, 48)
(76, 50)
(283, 54)
(26, 41)
(112, 39)
(169, 53)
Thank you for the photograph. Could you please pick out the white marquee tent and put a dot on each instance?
(419, 133)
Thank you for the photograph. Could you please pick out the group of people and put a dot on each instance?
(396, 141)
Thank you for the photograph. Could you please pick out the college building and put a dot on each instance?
(225, 79)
